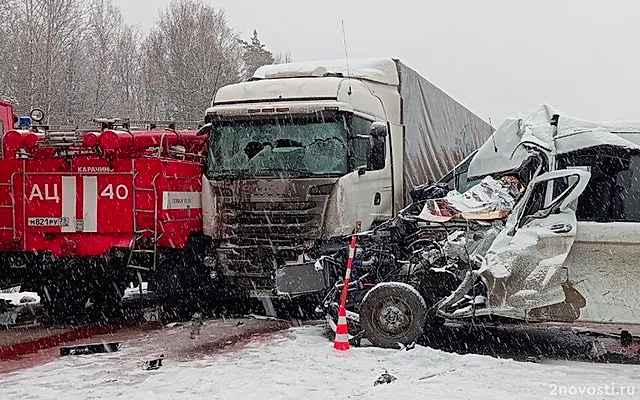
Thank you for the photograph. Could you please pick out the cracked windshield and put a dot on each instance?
(299, 146)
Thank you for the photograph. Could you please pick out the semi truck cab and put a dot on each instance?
(303, 154)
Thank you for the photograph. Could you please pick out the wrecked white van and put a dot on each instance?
(542, 223)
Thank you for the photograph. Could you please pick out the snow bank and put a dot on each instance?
(302, 363)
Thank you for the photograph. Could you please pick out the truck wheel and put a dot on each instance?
(393, 313)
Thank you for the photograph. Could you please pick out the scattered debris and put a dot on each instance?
(153, 364)
(16, 306)
(196, 325)
(152, 314)
(239, 323)
(408, 347)
(384, 378)
(85, 349)
(437, 374)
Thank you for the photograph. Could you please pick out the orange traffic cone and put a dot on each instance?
(342, 331)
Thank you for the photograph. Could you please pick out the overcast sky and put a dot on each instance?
(495, 57)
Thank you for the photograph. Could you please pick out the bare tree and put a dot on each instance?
(104, 28)
(8, 87)
(78, 59)
(190, 53)
(49, 32)
(127, 79)
(283, 58)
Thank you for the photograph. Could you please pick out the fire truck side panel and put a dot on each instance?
(178, 202)
(87, 205)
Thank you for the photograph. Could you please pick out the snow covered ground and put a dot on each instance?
(301, 362)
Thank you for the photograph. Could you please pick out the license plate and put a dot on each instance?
(64, 221)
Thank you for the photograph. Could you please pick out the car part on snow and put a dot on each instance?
(153, 364)
(196, 325)
(85, 349)
(408, 347)
(385, 378)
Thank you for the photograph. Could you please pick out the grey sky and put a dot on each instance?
(497, 57)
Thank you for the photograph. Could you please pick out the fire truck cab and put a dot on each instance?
(84, 212)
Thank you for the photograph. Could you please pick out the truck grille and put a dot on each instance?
(260, 235)
(271, 221)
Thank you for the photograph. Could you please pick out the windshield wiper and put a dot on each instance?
(283, 170)
(233, 174)
(229, 174)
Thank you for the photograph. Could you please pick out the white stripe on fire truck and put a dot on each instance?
(69, 203)
(90, 203)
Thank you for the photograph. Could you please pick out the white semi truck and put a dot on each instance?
(303, 154)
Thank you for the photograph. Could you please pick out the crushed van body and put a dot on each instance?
(543, 228)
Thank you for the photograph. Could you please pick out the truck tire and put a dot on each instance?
(393, 313)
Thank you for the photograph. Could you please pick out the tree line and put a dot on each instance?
(78, 60)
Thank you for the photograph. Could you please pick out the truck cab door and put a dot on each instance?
(367, 191)
(524, 269)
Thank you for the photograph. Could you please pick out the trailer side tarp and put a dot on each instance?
(439, 131)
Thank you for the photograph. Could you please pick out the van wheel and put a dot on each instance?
(393, 313)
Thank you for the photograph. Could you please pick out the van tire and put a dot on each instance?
(393, 313)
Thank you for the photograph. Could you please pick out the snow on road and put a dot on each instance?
(301, 362)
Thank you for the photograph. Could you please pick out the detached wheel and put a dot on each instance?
(393, 313)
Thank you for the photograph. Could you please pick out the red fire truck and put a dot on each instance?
(84, 212)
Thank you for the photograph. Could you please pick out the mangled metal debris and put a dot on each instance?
(541, 232)
(153, 364)
(385, 378)
(94, 348)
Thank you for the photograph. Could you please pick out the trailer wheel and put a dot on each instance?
(393, 313)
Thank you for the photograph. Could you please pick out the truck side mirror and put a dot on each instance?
(376, 153)
(205, 129)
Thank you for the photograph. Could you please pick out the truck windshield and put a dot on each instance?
(272, 146)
